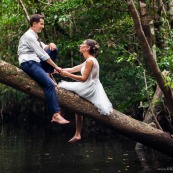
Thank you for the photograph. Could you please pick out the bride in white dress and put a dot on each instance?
(87, 84)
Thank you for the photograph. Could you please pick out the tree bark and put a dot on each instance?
(151, 61)
(123, 124)
(145, 22)
(163, 10)
(152, 110)
(171, 12)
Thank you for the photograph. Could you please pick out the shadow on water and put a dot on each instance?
(45, 150)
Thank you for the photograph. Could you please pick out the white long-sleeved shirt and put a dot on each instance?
(29, 48)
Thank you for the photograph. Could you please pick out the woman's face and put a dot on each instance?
(83, 47)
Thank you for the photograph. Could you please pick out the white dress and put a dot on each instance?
(92, 90)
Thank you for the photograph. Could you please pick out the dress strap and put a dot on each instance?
(93, 59)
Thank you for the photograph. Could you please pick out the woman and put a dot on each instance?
(88, 85)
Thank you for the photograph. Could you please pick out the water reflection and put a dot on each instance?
(45, 150)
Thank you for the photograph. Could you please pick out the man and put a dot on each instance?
(31, 53)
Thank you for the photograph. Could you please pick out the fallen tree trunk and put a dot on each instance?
(123, 124)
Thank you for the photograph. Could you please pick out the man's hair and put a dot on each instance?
(35, 18)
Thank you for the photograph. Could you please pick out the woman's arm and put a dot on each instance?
(73, 69)
(82, 78)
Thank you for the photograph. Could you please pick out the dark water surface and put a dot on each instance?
(46, 151)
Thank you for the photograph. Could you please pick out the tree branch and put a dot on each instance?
(24, 9)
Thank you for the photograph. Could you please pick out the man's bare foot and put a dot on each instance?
(74, 140)
(59, 119)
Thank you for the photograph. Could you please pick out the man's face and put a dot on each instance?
(37, 27)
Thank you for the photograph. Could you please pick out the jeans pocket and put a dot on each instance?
(28, 67)
(33, 65)
(30, 63)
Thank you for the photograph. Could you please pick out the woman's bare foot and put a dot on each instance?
(59, 119)
(74, 140)
(172, 136)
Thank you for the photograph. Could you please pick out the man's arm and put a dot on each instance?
(33, 44)
(49, 61)
(41, 53)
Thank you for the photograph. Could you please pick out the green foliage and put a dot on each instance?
(9, 96)
(9, 35)
(67, 24)
(165, 59)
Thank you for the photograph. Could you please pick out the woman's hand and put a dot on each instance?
(64, 73)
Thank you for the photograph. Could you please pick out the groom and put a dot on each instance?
(34, 60)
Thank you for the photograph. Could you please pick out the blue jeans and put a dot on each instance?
(35, 71)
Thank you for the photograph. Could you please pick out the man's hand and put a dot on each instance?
(52, 46)
(57, 70)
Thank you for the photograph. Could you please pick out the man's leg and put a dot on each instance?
(53, 55)
(35, 70)
(48, 68)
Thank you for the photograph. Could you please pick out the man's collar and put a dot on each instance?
(32, 31)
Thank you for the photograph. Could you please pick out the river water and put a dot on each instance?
(46, 150)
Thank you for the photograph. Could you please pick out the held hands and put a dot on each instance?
(64, 73)
(58, 70)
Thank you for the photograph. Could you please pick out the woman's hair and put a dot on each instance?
(94, 47)
(35, 18)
